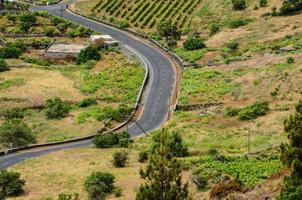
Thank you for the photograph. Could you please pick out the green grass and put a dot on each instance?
(190, 56)
(206, 85)
(123, 82)
(5, 84)
(249, 171)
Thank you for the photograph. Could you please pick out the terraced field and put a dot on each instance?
(146, 13)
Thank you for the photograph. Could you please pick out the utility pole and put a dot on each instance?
(249, 139)
(61, 11)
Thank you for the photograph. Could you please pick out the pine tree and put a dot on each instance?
(291, 155)
(163, 176)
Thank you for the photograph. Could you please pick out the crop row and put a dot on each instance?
(146, 13)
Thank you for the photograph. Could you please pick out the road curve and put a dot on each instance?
(157, 97)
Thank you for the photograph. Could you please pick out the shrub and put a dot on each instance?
(263, 3)
(87, 102)
(117, 192)
(231, 112)
(28, 17)
(254, 111)
(10, 183)
(51, 31)
(56, 108)
(237, 22)
(110, 140)
(239, 4)
(99, 184)
(214, 28)
(143, 156)
(63, 196)
(168, 30)
(90, 53)
(120, 159)
(171, 42)
(291, 193)
(175, 144)
(16, 133)
(3, 66)
(232, 45)
(10, 52)
(14, 113)
(290, 60)
(114, 114)
(290, 6)
(194, 43)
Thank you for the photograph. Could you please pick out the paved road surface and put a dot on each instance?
(157, 95)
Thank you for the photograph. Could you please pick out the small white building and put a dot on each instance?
(63, 50)
(108, 40)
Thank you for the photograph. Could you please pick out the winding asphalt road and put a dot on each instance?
(157, 95)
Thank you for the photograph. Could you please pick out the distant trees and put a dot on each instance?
(56, 108)
(90, 53)
(10, 184)
(291, 156)
(193, 43)
(239, 4)
(16, 133)
(162, 175)
(169, 31)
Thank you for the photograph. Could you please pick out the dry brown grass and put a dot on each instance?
(39, 86)
(66, 171)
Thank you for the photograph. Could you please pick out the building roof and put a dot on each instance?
(66, 48)
(104, 37)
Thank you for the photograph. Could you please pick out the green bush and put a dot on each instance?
(117, 192)
(10, 183)
(290, 60)
(175, 144)
(16, 133)
(14, 113)
(231, 112)
(114, 114)
(90, 53)
(56, 108)
(237, 22)
(291, 6)
(291, 193)
(254, 111)
(3, 66)
(87, 102)
(98, 185)
(112, 140)
(232, 45)
(263, 3)
(10, 52)
(63, 196)
(51, 31)
(28, 17)
(168, 30)
(143, 156)
(239, 4)
(214, 28)
(194, 43)
(120, 159)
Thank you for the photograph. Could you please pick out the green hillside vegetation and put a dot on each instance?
(241, 81)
